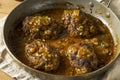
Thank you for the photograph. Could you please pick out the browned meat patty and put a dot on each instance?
(80, 24)
(102, 50)
(82, 57)
(43, 27)
(42, 56)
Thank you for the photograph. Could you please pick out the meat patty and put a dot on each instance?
(42, 56)
(82, 57)
(103, 50)
(43, 27)
(80, 24)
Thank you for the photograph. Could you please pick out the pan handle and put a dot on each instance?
(108, 3)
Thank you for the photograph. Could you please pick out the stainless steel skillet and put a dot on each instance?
(34, 6)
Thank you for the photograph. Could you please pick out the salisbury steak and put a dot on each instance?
(42, 56)
(82, 57)
(80, 24)
(43, 27)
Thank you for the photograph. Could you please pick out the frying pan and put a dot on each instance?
(92, 7)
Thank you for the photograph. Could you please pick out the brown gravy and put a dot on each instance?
(63, 42)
